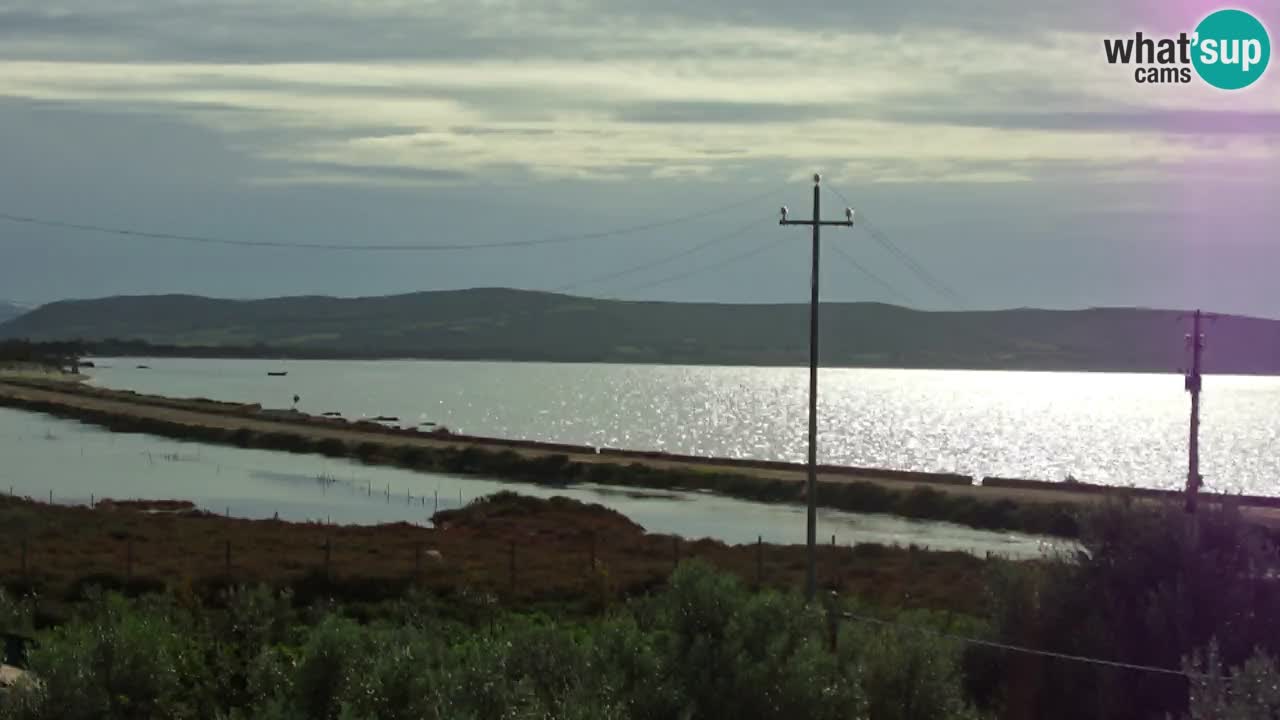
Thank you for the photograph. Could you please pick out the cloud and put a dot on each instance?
(444, 91)
(320, 173)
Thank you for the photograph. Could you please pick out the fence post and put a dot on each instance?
(833, 622)
(911, 569)
(50, 497)
(759, 561)
(91, 501)
(437, 508)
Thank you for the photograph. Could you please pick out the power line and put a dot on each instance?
(754, 250)
(659, 261)
(928, 278)
(412, 247)
(848, 258)
(1026, 650)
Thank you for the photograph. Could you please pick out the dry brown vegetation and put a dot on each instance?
(60, 551)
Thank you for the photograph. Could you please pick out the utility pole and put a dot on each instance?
(811, 491)
(1194, 478)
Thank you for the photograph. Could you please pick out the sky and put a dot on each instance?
(989, 141)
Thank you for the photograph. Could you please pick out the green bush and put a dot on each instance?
(15, 614)
(368, 450)
(706, 647)
(907, 674)
(1149, 586)
(734, 654)
(331, 447)
(396, 682)
(127, 660)
(1248, 692)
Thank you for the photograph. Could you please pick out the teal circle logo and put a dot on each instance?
(1231, 49)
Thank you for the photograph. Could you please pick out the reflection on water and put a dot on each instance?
(1113, 428)
(76, 462)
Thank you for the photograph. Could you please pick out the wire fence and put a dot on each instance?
(123, 556)
(835, 616)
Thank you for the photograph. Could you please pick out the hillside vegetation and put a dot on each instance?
(503, 324)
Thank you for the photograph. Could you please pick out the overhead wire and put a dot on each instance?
(724, 262)
(915, 266)
(354, 247)
(1026, 650)
(658, 262)
(888, 287)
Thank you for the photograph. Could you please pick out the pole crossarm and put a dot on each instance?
(841, 223)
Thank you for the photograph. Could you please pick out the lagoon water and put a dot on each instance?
(78, 463)
(1114, 428)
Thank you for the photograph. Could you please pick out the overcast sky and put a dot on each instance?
(989, 139)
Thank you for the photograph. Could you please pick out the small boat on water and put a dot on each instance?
(144, 367)
(386, 418)
(332, 413)
(280, 373)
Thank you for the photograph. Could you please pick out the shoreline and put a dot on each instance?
(213, 353)
(998, 504)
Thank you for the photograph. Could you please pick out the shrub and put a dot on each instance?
(1146, 588)
(331, 447)
(126, 661)
(368, 450)
(1248, 692)
(327, 664)
(396, 682)
(907, 674)
(733, 654)
(15, 614)
(411, 456)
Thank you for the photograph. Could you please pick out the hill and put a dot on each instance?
(505, 324)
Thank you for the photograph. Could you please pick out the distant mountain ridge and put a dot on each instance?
(505, 324)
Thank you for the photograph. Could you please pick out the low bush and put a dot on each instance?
(704, 648)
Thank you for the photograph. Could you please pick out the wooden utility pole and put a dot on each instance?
(811, 490)
(1193, 383)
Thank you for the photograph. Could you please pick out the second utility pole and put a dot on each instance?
(1193, 384)
(811, 491)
